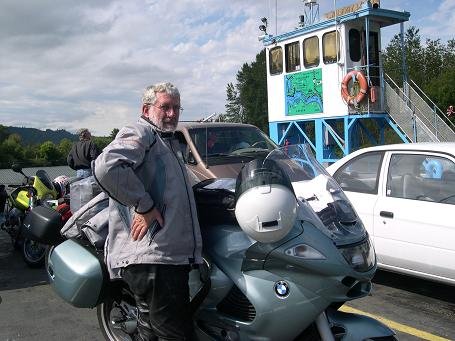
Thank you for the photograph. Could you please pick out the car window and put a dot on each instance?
(216, 141)
(421, 177)
(361, 174)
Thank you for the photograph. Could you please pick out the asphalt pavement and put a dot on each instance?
(31, 311)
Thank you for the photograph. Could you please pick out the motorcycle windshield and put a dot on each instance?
(44, 179)
(313, 184)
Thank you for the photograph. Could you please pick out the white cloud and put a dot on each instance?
(65, 64)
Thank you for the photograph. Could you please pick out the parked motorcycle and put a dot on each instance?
(283, 249)
(17, 204)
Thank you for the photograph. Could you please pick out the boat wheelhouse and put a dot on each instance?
(326, 85)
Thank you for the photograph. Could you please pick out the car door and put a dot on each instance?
(359, 179)
(414, 230)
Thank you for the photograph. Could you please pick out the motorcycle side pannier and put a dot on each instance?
(43, 225)
(77, 273)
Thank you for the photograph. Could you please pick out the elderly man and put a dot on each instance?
(154, 235)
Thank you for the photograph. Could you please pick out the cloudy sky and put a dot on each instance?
(68, 64)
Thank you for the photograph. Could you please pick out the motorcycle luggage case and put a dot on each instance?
(77, 273)
(43, 224)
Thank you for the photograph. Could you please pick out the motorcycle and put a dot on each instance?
(17, 204)
(268, 273)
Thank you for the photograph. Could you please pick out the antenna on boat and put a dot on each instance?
(311, 13)
(263, 28)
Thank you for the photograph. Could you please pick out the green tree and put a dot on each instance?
(247, 99)
(234, 110)
(114, 133)
(64, 148)
(3, 133)
(11, 151)
(49, 152)
(431, 66)
(414, 56)
(101, 141)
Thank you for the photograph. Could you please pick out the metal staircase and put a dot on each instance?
(418, 120)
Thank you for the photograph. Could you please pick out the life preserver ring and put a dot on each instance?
(358, 76)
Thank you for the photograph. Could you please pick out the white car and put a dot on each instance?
(405, 196)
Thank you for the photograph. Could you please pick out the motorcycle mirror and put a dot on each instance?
(16, 168)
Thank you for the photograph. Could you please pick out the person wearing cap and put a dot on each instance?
(82, 154)
(154, 237)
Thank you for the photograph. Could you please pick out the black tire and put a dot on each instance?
(33, 253)
(117, 317)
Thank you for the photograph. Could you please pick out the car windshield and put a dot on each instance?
(212, 142)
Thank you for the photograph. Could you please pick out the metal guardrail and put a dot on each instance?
(443, 127)
(414, 116)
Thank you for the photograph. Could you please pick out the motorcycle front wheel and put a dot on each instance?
(33, 253)
(117, 317)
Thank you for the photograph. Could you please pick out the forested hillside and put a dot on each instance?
(37, 136)
(35, 148)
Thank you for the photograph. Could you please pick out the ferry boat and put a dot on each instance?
(327, 87)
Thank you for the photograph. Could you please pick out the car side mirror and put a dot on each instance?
(190, 157)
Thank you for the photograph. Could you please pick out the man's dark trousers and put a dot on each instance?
(162, 297)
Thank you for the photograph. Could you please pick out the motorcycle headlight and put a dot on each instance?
(361, 257)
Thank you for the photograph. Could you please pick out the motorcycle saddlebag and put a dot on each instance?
(77, 273)
(43, 224)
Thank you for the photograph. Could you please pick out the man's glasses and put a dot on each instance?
(167, 108)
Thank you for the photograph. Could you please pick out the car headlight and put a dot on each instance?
(361, 257)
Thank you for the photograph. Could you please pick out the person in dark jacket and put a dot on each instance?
(82, 154)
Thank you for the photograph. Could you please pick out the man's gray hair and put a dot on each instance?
(149, 95)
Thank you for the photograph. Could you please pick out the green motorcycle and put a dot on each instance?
(16, 204)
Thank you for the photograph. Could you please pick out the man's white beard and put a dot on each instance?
(164, 126)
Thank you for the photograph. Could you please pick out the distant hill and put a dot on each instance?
(37, 136)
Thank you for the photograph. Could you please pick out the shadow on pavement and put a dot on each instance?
(415, 285)
(14, 273)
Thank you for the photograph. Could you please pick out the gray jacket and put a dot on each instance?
(141, 170)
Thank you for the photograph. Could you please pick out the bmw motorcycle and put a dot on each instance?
(283, 250)
(17, 204)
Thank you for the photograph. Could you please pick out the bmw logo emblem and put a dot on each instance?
(281, 289)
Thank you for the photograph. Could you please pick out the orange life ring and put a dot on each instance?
(355, 76)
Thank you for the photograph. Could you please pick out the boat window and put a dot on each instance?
(292, 57)
(311, 52)
(354, 44)
(331, 47)
(276, 60)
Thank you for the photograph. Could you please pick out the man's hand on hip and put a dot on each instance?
(142, 222)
